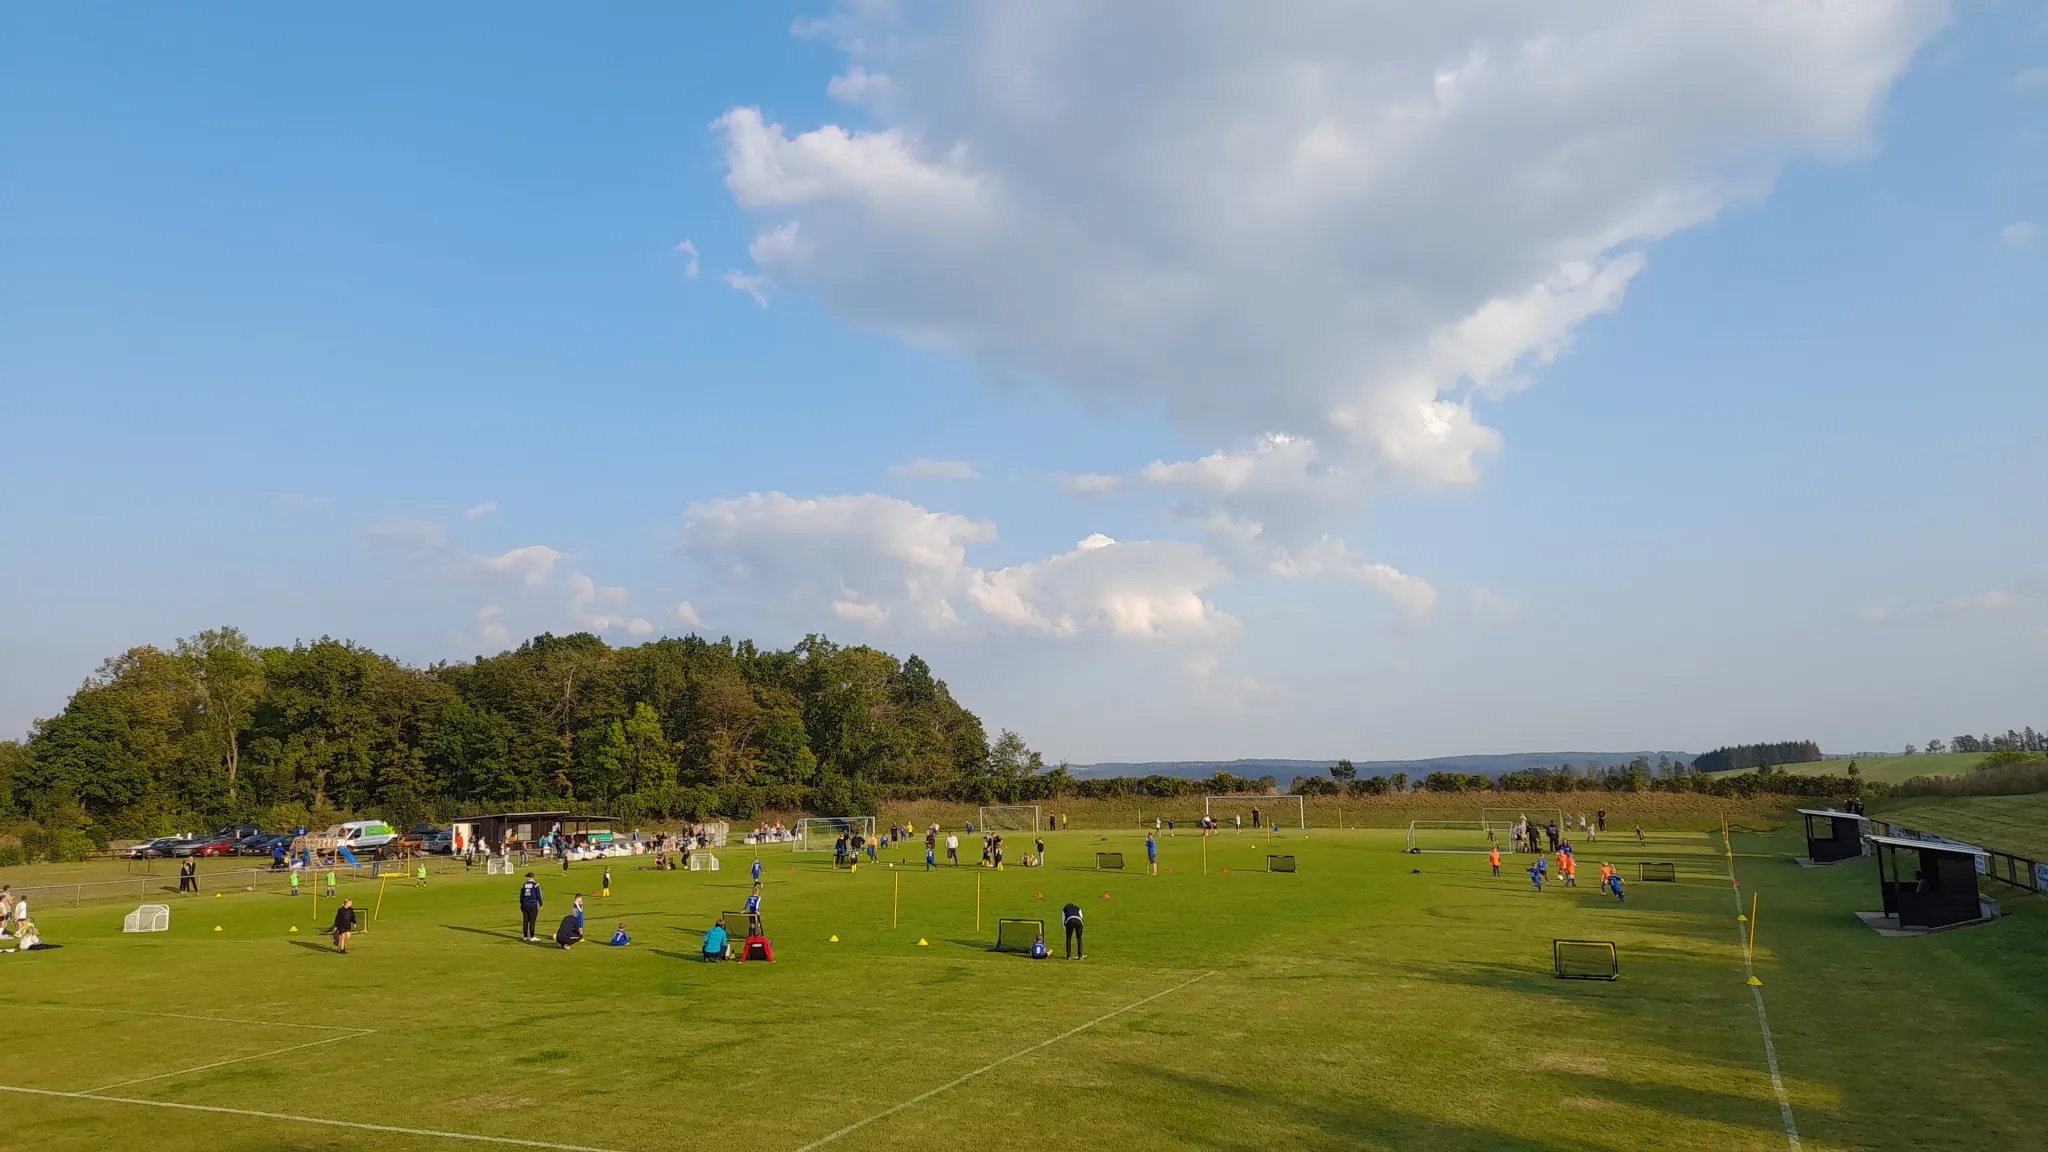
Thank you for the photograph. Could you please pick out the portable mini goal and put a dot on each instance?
(497, 865)
(1230, 804)
(1279, 863)
(148, 918)
(1008, 818)
(820, 833)
(1018, 935)
(1109, 860)
(743, 924)
(1658, 870)
(1585, 959)
(703, 862)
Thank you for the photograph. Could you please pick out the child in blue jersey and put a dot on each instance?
(1038, 949)
(931, 858)
(757, 869)
(1152, 852)
(1536, 875)
(620, 939)
(1615, 885)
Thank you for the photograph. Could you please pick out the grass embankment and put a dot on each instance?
(1884, 770)
(1667, 810)
(1356, 1004)
(2017, 824)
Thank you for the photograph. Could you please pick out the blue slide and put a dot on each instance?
(347, 855)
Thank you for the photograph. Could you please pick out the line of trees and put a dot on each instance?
(1739, 756)
(2024, 740)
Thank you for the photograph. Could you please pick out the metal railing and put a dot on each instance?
(2023, 872)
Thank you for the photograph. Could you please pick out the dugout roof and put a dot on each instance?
(1956, 846)
(1831, 812)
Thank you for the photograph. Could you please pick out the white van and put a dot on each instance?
(362, 835)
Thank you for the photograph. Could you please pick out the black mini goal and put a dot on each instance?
(1279, 863)
(1655, 870)
(1018, 935)
(1585, 959)
(1109, 860)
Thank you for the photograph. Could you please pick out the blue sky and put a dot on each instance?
(375, 325)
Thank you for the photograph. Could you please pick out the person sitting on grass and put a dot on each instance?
(1038, 949)
(619, 937)
(715, 941)
(570, 933)
(31, 938)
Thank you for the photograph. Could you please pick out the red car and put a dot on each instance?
(210, 846)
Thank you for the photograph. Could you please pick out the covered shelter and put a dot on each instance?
(1929, 884)
(1833, 836)
(508, 830)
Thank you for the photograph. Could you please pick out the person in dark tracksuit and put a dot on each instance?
(1071, 914)
(529, 908)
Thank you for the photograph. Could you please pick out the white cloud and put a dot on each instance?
(688, 251)
(925, 469)
(1337, 228)
(531, 565)
(750, 284)
(687, 614)
(490, 627)
(479, 511)
(2019, 233)
(876, 559)
(857, 85)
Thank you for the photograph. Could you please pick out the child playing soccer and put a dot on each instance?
(1493, 857)
(1536, 875)
(619, 938)
(1615, 885)
(295, 883)
(420, 878)
(1606, 875)
(606, 888)
(330, 882)
(1570, 868)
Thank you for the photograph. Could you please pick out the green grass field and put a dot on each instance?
(1354, 1004)
(1883, 770)
(2008, 823)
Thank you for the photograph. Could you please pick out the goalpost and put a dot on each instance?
(1272, 809)
(1008, 818)
(820, 833)
(1468, 836)
(1501, 821)
(497, 865)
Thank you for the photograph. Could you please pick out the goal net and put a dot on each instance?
(1502, 821)
(1659, 870)
(703, 862)
(1018, 935)
(1109, 860)
(1008, 818)
(148, 918)
(820, 833)
(1585, 959)
(1279, 863)
(1453, 836)
(497, 865)
(1257, 811)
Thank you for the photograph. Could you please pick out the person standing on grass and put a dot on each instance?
(1493, 858)
(931, 860)
(1600, 820)
(606, 887)
(757, 869)
(295, 881)
(576, 910)
(1570, 867)
(1606, 875)
(344, 924)
(1614, 885)
(1536, 874)
(529, 909)
(420, 879)
(1152, 851)
(330, 883)
(953, 849)
(20, 914)
(1639, 836)
(1041, 851)
(1071, 917)
(6, 908)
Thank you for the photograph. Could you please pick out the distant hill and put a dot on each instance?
(1286, 770)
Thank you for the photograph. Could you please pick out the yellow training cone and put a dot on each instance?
(218, 895)
(833, 940)
(216, 927)
(923, 943)
(295, 927)
(1755, 983)
(1741, 918)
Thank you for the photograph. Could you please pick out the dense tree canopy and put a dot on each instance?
(217, 728)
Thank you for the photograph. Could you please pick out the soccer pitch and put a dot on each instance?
(1352, 1004)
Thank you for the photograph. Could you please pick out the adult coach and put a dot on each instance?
(952, 849)
(344, 924)
(529, 909)
(1071, 916)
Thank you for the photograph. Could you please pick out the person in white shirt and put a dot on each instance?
(953, 850)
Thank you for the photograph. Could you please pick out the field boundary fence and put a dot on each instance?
(2010, 868)
(142, 888)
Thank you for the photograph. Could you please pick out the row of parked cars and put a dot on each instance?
(250, 840)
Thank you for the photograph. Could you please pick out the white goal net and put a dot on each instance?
(1257, 811)
(1502, 822)
(1008, 818)
(148, 918)
(820, 833)
(1454, 836)
(498, 865)
(703, 862)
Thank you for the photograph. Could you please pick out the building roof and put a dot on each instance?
(1955, 846)
(1831, 812)
(542, 816)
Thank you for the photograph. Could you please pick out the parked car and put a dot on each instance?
(202, 846)
(238, 831)
(262, 845)
(156, 849)
(441, 843)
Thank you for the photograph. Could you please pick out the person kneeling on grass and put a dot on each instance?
(619, 937)
(570, 933)
(715, 941)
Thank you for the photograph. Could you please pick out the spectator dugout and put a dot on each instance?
(1833, 836)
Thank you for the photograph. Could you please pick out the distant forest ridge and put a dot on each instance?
(1284, 771)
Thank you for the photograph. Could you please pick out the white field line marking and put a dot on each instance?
(169, 1016)
(951, 1084)
(1742, 929)
(287, 1117)
(351, 1034)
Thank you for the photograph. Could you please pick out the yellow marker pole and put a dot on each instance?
(1752, 927)
(977, 902)
(896, 901)
(1205, 853)
(381, 883)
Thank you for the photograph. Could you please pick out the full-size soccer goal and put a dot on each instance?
(1276, 811)
(148, 918)
(1008, 818)
(820, 833)
(1473, 836)
(1501, 821)
(1585, 959)
(1018, 935)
